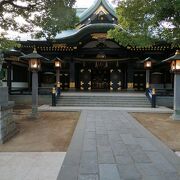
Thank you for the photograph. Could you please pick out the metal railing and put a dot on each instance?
(151, 95)
(56, 92)
(164, 92)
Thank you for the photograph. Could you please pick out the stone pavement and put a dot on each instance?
(30, 165)
(161, 109)
(112, 145)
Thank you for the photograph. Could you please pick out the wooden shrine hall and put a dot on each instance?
(91, 61)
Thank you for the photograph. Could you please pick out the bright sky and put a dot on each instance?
(25, 36)
(85, 3)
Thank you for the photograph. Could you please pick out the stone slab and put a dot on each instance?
(3, 96)
(7, 124)
(109, 148)
(30, 165)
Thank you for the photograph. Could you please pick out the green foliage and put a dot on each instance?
(6, 44)
(49, 16)
(60, 16)
(144, 22)
(2, 74)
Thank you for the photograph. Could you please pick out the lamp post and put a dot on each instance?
(175, 68)
(58, 65)
(34, 60)
(148, 66)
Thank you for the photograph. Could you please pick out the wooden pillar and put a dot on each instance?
(72, 75)
(130, 77)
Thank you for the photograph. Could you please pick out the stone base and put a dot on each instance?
(3, 96)
(176, 116)
(7, 124)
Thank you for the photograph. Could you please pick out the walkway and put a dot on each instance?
(46, 108)
(111, 145)
(30, 165)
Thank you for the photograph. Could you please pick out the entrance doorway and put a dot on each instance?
(100, 79)
(139, 81)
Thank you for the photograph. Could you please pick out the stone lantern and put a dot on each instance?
(34, 61)
(175, 68)
(148, 66)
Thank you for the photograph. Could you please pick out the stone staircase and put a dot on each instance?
(103, 101)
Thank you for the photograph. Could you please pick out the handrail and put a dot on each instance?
(56, 92)
(151, 95)
(164, 92)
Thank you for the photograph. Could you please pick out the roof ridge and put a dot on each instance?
(94, 6)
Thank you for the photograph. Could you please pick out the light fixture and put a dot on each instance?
(175, 62)
(148, 63)
(58, 63)
(34, 64)
(175, 66)
(34, 60)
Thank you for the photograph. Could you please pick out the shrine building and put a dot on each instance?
(90, 60)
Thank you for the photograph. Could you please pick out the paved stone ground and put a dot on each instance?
(30, 165)
(112, 145)
(48, 108)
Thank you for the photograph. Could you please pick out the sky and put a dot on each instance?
(25, 36)
(85, 3)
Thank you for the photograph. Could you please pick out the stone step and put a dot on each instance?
(102, 105)
(102, 97)
(96, 100)
(69, 101)
(142, 104)
(62, 99)
(103, 101)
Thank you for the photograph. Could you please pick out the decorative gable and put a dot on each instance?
(100, 12)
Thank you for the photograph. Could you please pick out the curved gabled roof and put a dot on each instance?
(91, 28)
(76, 36)
(95, 6)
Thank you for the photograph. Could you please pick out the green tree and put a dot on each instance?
(48, 16)
(60, 16)
(145, 22)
